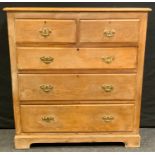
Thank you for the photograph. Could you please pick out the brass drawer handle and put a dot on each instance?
(109, 33)
(108, 59)
(47, 119)
(46, 87)
(107, 118)
(45, 32)
(107, 88)
(47, 60)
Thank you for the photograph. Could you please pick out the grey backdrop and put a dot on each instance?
(148, 98)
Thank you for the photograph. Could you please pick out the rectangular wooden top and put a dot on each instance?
(75, 9)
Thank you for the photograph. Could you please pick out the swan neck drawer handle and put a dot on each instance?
(107, 118)
(47, 119)
(107, 88)
(46, 60)
(109, 33)
(108, 59)
(45, 32)
(46, 88)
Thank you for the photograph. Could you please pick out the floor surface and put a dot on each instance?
(147, 144)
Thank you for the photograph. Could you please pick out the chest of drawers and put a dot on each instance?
(77, 74)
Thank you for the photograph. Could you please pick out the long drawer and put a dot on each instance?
(75, 118)
(77, 86)
(70, 58)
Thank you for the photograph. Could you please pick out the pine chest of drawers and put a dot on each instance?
(77, 74)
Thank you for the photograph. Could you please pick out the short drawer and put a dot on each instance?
(75, 118)
(70, 58)
(39, 30)
(77, 87)
(109, 30)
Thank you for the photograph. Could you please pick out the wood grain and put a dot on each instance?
(77, 87)
(71, 58)
(24, 141)
(75, 118)
(77, 99)
(75, 9)
(61, 30)
(140, 67)
(93, 30)
(14, 75)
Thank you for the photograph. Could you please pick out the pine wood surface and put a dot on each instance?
(77, 74)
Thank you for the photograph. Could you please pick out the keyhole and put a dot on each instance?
(78, 49)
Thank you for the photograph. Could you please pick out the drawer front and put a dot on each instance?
(70, 58)
(75, 118)
(77, 87)
(109, 30)
(38, 30)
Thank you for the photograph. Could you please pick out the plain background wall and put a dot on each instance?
(148, 98)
